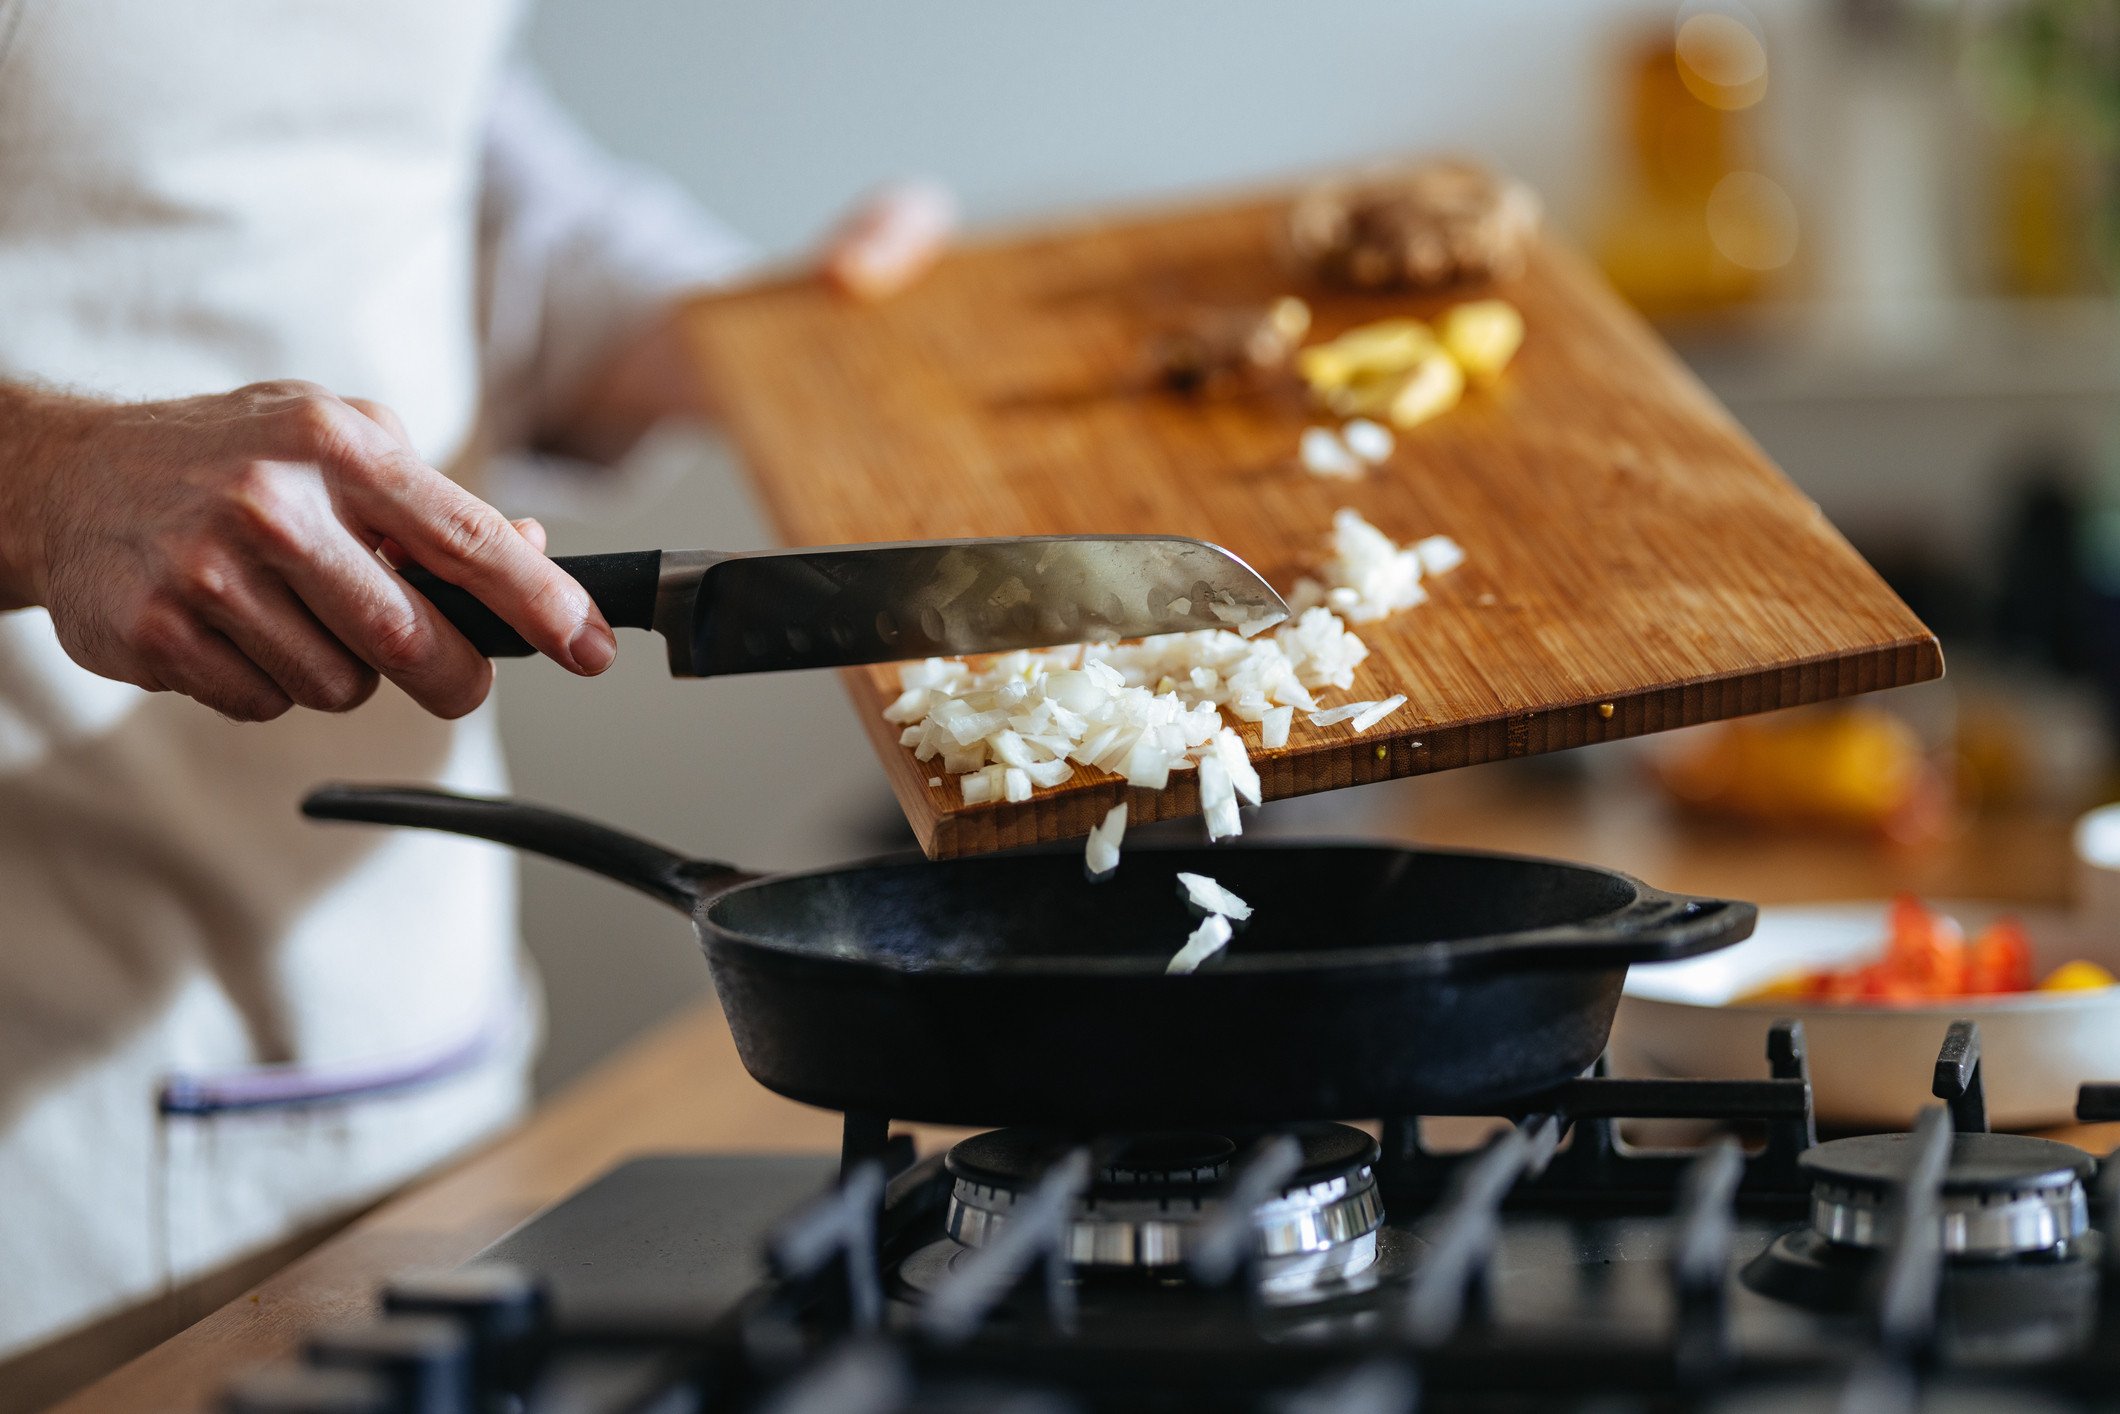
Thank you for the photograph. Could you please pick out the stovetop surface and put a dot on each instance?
(669, 1241)
(671, 1245)
(1554, 1267)
(675, 1241)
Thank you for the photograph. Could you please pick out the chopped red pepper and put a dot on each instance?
(1926, 958)
(2000, 959)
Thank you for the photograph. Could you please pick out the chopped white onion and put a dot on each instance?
(1377, 712)
(1333, 716)
(1240, 618)
(911, 706)
(1208, 939)
(941, 673)
(1360, 715)
(1205, 894)
(1439, 554)
(1323, 455)
(1141, 710)
(1101, 855)
(1218, 799)
(968, 726)
(1229, 749)
(1371, 441)
(1050, 773)
(1009, 748)
(1368, 575)
(1023, 721)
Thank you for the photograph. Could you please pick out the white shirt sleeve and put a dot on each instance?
(578, 250)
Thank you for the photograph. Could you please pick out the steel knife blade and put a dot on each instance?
(849, 604)
(841, 605)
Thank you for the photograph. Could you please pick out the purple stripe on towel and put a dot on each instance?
(266, 1086)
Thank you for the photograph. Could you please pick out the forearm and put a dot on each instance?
(887, 243)
(40, 433)
(653, 376)
(588, 262)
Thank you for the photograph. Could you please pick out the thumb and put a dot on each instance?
(890, 239)
(531, 530)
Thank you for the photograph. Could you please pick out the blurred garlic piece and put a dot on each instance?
(1371, 441)
(1323, 455)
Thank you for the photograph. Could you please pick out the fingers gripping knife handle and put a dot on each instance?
(623, 586)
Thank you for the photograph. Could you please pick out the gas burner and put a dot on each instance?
(2022, 1277)
(2004, 1195)
(2031, 1308)
(1149, 1197)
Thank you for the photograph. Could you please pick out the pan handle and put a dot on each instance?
(1661, 927)
(1656, 927)
(680, 882)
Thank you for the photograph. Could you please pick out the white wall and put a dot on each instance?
(775, 114)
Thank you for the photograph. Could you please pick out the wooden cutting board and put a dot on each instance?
(1635, 562)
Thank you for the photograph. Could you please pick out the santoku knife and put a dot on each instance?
(769, 610)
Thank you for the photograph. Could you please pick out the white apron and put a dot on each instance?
(217, 1020)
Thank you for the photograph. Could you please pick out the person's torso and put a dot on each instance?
(200, 195)
(195, 196)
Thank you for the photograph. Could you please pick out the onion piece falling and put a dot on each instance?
(1218, 799)
(1208, 896)
(1208, 939)
(1100, 855)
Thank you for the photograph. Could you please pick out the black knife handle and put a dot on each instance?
(622, 584)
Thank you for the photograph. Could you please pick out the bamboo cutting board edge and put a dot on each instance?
(1072, 810)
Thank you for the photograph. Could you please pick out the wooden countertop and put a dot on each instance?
(682, 1088)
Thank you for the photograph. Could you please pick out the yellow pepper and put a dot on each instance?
(2077, 976)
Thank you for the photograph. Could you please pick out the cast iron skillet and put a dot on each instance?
(1008, 989)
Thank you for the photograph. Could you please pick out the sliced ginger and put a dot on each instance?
(1483, 336)
(1407, 372)
(1408, 397)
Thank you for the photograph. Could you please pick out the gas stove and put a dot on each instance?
(1321, 1266)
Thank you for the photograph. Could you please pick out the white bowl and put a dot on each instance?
(1872, 1066)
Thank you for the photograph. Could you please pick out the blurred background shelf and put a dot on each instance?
(1996, 350)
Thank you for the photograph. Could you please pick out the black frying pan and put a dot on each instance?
(1371, 981)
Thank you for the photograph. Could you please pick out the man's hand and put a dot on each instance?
(226, 547)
